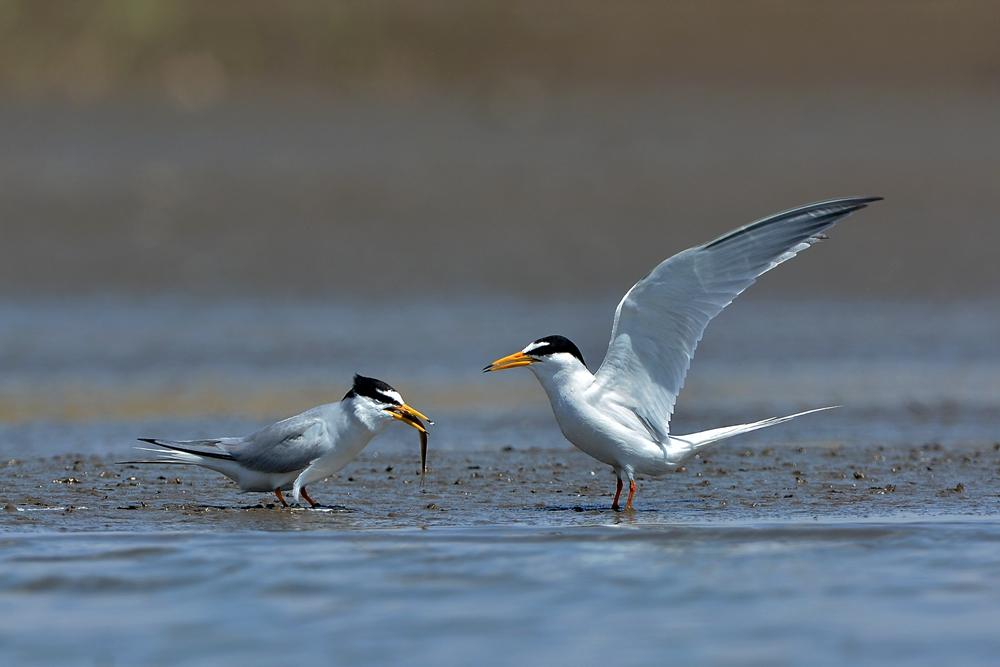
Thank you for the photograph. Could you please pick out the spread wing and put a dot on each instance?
(661, 319)
(286, 446)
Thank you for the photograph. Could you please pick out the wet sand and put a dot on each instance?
(513, 486)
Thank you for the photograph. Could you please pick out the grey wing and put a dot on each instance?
(660, 321)
(286, 446)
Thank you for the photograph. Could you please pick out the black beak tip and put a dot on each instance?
(486, 369)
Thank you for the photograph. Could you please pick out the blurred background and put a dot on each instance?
(226, 208)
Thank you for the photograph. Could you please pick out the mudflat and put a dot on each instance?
(541, 487)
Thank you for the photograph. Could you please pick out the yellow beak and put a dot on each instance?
(409, 416)
(510, 361)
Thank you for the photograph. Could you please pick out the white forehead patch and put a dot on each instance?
(393, 396)
(534, 346)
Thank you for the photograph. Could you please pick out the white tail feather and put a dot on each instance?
(695, 441)
(170, 456)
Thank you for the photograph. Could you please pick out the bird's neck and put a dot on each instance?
(563, 380)
(362, 421)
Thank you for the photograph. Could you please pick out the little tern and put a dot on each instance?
(297, 451)
(620, 415)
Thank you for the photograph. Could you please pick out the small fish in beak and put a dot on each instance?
(413, 417)
(423, 457)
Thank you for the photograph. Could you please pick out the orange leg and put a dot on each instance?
(281, 497)
(631, 494)
(312, 503)
(618, 494)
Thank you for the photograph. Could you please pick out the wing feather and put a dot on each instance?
(286, 446)
(660, 321)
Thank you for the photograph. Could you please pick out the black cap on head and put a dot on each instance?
(375, 390)
(554, 345)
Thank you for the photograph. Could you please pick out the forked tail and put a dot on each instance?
(691, 443)
(191, 452)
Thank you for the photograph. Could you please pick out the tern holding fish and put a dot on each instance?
(294, 452)
(620, 415)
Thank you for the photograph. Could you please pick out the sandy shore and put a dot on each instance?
(512, 486)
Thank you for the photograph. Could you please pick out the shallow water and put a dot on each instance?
(816, 593)
(866, 534)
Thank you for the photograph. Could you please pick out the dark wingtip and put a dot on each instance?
(858, 202)
(151, 441)
(848, 205)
